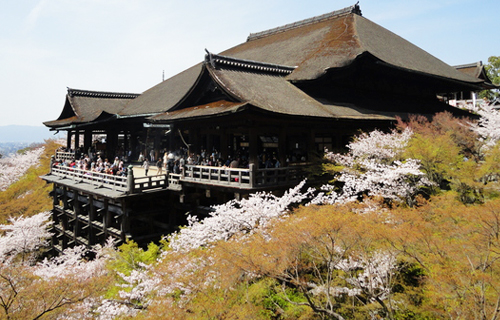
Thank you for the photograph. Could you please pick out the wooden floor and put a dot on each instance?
(139, 171)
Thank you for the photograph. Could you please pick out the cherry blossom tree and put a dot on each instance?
(15, 165)
(24, 237)
(488, 125)
(374, 167)
(236, 216)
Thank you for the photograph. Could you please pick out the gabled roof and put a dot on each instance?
(308, 48)
(478, 71)
(265, 87)
(335, 41)
(164, 95)
(216, 108)
(263, 71)
(83, 106)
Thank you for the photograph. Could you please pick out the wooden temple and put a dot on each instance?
(285, 94)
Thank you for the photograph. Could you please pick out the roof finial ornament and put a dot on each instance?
(356, 9)
(210, 58)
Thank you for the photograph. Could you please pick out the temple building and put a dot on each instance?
(248, 119)
(469, 99)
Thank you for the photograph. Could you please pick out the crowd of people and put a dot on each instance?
(171, 161)
(95, 164)
(175, 161)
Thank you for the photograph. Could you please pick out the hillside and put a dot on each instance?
(407, 228)
(28, 194)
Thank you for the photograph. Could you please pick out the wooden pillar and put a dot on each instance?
(156, 142)
(55, 218)
(253, 149)
(77, 139)
(68, 140)
(144, 140)
(64, 218)
(106, 219)
(311, 145)
(282, 146)
(125, 143)
(76, 212)
(125, 221)
(224, 150)
(133, 146)
(91, 211)
(210, 139)
(64, 197)
(87, 141)
(195, 139)
(111, 144)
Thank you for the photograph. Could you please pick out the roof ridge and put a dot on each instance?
(216, 60)
(101, 94)
(468, 65)
(334, 14)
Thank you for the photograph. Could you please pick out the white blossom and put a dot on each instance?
(235, 216)
(111, 309)
(372, 168)
(15, 166)
(380, 145)
(72, 263)
(141, 283)
(333, 291)
(488, 125)
(375, 278)
(24, 236)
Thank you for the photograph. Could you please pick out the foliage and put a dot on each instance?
(451, 154)
(235, 216)
(457, 245)
(354, 251)
(493, 71)
(29, 194)
(374, 167)
(30, 290)
(24, 237)
(130, 256)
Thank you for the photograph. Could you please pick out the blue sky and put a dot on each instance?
(126, 45)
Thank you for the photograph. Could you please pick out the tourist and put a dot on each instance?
(159, 165)
(145, 165)
(235, 163)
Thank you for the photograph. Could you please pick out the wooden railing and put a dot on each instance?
(150, 182)
(215, 176)
(62, 156)
(220, 176)
(277, 176)
(240, 178)
(109, 181)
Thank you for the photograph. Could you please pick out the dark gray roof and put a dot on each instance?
(261, 72)
(477, 70)
(336, 42)
(216, 108)
(83, 106)
(164, 95)
(273, 93)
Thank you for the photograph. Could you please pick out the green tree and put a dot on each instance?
(493, 71)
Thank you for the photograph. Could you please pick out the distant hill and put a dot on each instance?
(16, 133)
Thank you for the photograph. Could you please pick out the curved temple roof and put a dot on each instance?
(84, 106)
(261, 72)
